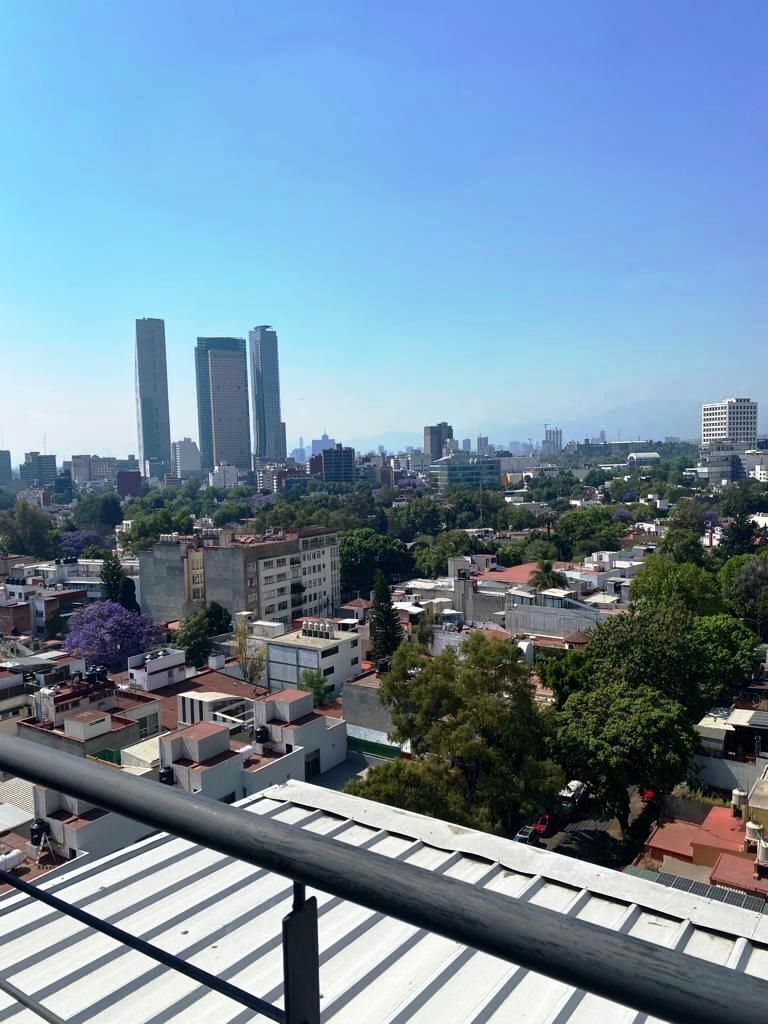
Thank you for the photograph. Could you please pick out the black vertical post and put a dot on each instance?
(301, 960)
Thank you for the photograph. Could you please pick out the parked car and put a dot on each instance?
(528, 835)
(573, 794)
(546, 825)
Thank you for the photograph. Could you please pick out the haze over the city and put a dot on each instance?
(493, 214)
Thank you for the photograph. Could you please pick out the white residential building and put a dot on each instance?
(317, 646)
(156, 669)
(732, 419)
(185, 458)
(76, 827)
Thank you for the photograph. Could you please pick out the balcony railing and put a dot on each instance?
(655, 980)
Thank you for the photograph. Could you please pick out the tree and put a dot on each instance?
(740, 536)
(426, 628)
(312, 679)
(748, 594)
(424, 787)
(585, 530)
(564, 672)
(98, 512)
(546, 576)
(127, 595)
(194, 638)
(110, 510)
(250, 656)
(653, 646)
(681, 546)
(728, 649)
(473, 711)
(662, 581)
(615, 736)
(27, 531)
(112, 577)
(73, 543)
(105, 633)
(688, 516)
(219, 619)
(432, 562)
(386, 631)
(363, 551)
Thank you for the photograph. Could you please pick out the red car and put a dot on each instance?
(546, 825)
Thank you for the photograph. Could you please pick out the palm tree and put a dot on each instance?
(546, 576)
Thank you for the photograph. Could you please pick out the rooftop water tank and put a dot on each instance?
(754, 832)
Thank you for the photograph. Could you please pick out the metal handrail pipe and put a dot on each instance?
(661, 982)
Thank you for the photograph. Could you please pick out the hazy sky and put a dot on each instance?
(492, 213)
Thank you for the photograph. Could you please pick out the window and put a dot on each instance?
(269, 579)
(280, 561)
(354, 661)
(355, 643)
(269, 564)
(282, 606)
(282, 576)
(331, 650)
(328, 671)
(269, 609)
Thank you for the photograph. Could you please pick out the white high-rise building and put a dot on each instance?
(732, 419)
(185, 458)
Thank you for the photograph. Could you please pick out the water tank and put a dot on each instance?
(754, 832)
(262, 734)
(738, 797)
(246, 751)
(10, 859)
(39, 830)
(762, 853)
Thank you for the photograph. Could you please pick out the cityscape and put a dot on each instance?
(402, 657)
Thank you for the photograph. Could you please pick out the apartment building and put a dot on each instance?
(278, 576)
(732, 419)
(317, 646)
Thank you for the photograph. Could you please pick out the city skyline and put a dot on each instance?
(606, 219)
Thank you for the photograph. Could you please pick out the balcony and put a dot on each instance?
(418, 920)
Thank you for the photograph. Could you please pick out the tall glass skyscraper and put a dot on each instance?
(268, 428)
(152, 393)
(224, 423)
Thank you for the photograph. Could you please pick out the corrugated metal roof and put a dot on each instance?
(226, 916)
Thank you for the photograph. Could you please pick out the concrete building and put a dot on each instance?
(6, 471)
(152, 393)
(185, 458)
(89, 716)
(172, 577)
(278, 576)
(339, 464)
(223, 415)
(553, 441)
(268, 428)
(156, 669)
(732, 419)
(317, 646)
(435, 438)
(320, 444)
(76, 827)
(37, 470)
(86, 469)
(468, 470)
(291, 721)
(482, 447)
(27, 605)
(223, 476)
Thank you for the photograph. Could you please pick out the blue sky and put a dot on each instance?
(491, 213)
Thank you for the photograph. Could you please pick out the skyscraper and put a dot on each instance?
(268, 428)
(6, 474)
(553, 441)
(222, 402)
(435, 438)
(152, 393)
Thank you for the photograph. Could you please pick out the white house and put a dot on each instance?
(316, 646)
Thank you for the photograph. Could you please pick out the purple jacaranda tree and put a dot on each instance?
(622, 515)
(74, 542)
(107, 634)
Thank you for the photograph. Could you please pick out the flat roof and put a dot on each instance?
(299, 639)
(372, 968)
(199, 731)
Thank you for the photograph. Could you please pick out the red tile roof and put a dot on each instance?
(519, 574)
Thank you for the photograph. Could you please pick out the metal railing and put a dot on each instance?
(655, 980)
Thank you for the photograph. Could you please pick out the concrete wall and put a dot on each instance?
(362, 707)
(557, 622)
(289, 766)
(721, 773)
(58, 741)
(162, 572)
(225, 579)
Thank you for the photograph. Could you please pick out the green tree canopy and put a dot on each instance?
(688, 516)
(585, 530)
(194, 638)
(546, 576)
(727, 647)
(27, 531)
(219, 619)
(386, 631)
(618, 735)
(112, 577)
(681, 546)
(747, 593)
(312, 679)
(424, 787)
(363, 551)
(662, 581)
(433, 561)
(473, 711)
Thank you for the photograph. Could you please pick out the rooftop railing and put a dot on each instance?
(655, 980)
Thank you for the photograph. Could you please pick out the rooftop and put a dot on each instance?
(299, 639)
(200, 731)
(226, 916)
(517, 573)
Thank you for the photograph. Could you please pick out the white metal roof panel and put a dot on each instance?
(226, 916)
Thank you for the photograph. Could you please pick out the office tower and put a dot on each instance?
(223, 417)
(320, 444)
(6, 474)
(152, 393)
(268, 428)
(185, 459)
(38, 470)
(732, 419)
(553, 441)
(466, 445)
(339, 464)
(482, 447)
(435, 438)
